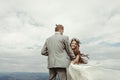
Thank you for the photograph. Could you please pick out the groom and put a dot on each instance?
(59, 53)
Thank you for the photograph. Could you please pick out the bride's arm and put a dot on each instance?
(76, 60)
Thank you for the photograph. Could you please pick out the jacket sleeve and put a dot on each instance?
(68, 49)
(44, 50)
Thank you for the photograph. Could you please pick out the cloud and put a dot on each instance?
(25, 24)
(106, 63)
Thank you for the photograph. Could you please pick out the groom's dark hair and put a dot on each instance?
(59, 26)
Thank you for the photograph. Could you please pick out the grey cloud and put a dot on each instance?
(117, 44)
(24, 16)
(23, 62)
(25, 24)
(113, 13)
(91, 39)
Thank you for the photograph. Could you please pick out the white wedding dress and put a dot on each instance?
(90, 72)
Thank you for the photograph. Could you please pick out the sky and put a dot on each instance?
(25, 25)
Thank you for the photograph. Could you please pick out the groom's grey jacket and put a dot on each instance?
(58, 50)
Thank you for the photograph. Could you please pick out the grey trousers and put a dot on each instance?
(68, 75)
(61, 72)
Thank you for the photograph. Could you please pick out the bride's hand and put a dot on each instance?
(74, 61)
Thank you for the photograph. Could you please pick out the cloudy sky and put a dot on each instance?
(25, 24)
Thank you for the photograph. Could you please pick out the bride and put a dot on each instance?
(80, 70)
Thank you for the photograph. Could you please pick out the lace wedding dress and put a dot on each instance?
(88, 72)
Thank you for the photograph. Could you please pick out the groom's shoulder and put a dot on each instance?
(65, 37)
(62, 36)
